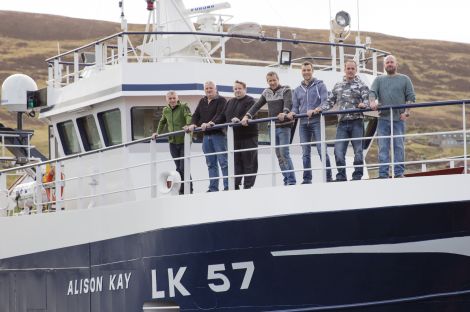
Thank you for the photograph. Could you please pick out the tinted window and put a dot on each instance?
(110, 124)
(145, 121)
(68, 137)
(89, 133)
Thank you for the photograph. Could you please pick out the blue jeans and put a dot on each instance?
(383, 129)
(348, 129)
(283, 156)
(310, 131)
(213, 143)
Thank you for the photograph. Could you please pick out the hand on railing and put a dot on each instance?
(235, 120)
(154, 136)
(189, 128)
(373, 105)
(281, 116)
(245, 121)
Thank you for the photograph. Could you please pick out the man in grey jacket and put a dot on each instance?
(306, 98)
(279, 100)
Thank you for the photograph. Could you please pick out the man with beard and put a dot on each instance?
(392, 89)
(246, 162)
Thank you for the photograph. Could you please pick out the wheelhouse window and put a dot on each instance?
(89, 133)
(68, 137)
(110, 124)
(145, 121)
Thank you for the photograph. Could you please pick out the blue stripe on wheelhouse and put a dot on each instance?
(182, 87)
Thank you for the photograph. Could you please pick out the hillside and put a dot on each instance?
(439, 69)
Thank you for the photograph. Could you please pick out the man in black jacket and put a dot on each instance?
(209, 107)
(246, 162)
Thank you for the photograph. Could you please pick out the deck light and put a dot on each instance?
(340, 26)
(343, 19)
(285, 57)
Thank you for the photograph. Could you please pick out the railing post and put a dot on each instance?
(153, 169)
(374, 63)
(392, 148)
(99, 56)
(222, 51)
(76, 67)
(272, 129)
(231, 158)
(187, 163)
(124, 48)
(323, 147)
(38, 193)
(333, 53)
(58, 187)
(57, 74)
(341, 58)
(81, 188)
(464, 121)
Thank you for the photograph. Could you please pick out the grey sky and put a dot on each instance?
(432, 19)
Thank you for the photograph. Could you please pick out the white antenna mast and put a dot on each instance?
(358, 25)
(123, 18)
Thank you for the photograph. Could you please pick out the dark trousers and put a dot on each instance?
(177, 151)
(246, 162)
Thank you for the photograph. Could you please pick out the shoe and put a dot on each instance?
(211, 191)
(339, 180)
(356, 179)
(306, 182)
(330, 180)
(399, 176)
(382, 177)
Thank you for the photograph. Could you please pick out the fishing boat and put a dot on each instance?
(100, 225)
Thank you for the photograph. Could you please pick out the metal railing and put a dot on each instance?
(58, 201)
(119, 48)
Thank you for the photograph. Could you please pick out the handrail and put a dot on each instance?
(398, 106)
(216, 34)
(231, 124)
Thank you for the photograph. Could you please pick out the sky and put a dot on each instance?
(431, 19)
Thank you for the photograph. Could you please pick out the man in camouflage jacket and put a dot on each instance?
(349, 94)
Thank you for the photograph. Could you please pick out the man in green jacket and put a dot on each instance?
(174, 117)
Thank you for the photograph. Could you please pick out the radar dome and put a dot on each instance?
(14, 90)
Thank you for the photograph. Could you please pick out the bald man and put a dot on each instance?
(392, 89)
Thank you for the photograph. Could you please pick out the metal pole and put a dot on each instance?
(76, 68)
(58, 185)
(392, 149)
(374, 63)
(153, 169)
(323, 147)
(187, 163)
(464, 121)
(231, 158)
(38, 189)
(273, 152)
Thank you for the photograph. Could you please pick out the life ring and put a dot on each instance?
(169, 182)
(49, 177)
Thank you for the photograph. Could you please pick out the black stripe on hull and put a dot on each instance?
(374, 281)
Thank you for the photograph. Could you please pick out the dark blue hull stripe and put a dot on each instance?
(182, 87)
(229, 266)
